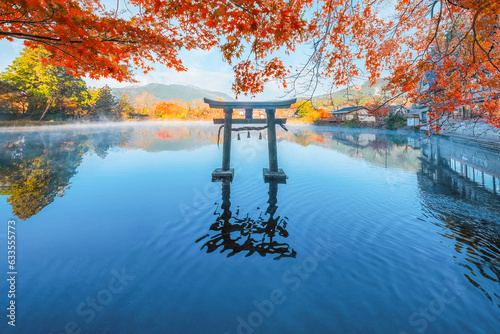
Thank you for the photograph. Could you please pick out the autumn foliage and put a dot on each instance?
(87, 38)
(457, 56)
(450, 46)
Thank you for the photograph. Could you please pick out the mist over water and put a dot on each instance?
(89, 126)
(121, 230)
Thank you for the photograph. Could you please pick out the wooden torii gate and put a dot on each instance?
(273, 173)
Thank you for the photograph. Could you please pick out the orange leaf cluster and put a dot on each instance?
(458, 59)
(89, 40)
(453, 45)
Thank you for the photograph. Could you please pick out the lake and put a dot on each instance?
(120, 229)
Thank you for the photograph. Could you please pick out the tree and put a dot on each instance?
(42, 86)
(86, 38)
(11, 98)
(377, 107)
(105, 103)
(304, 109)
(70, 94)
(145, 102)
(310, 112)
(455, 40)
(394, 121)
(124, 107)
(458, 58)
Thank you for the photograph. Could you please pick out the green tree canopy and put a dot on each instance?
(44, 86)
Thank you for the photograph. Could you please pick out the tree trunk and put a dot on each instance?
(47, 108)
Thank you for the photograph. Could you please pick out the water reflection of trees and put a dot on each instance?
(33, 184)
(379, 147)
(241, 233)
(456, 189)
(37, 168)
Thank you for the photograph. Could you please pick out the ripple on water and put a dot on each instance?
(375, 238)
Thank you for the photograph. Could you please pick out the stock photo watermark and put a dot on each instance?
(426, 314)
(88, 310)
(12, 272)
(292, 279)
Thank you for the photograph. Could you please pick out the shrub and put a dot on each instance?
(352, 123)
(394, 121)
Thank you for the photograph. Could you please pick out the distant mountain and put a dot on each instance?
(364, 90)
(172, 92)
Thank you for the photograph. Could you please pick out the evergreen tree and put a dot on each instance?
(106, 102)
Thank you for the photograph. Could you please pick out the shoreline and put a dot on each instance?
(474, 132)
(492, 144)
(477, 133)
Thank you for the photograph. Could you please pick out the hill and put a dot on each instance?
(171, 92)
(363, 90)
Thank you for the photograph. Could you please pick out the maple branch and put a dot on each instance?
(29, 20)
(249, 12)
(457, 44)
(456, 5)
(56, 46)
(404, 16)
(436, 30)
(42, 39)
(480, 45)
(483, 5)
(315, 57)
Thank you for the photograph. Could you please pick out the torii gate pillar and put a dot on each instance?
(273, 173)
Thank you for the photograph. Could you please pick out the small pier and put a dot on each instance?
(273, 173)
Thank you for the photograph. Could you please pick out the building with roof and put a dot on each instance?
(349, 113)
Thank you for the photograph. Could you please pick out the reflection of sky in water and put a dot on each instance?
(389, 234)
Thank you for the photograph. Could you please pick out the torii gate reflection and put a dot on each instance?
(238, 233)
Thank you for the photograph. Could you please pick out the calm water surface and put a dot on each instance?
(120, 230)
